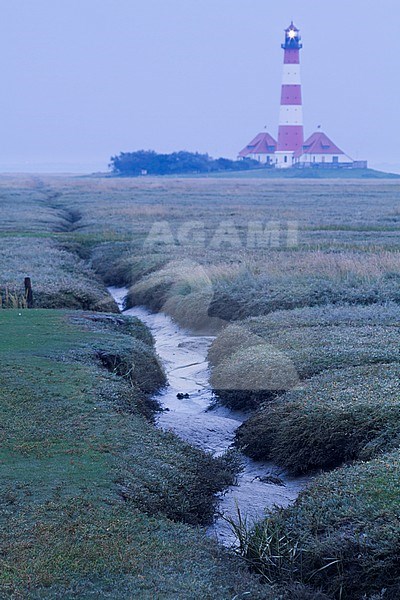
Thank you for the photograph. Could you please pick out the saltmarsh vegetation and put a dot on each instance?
(61, 279)
(260, 358)
(338, 416)
(34, 234)
(325, 242)
(93, 499)
(341, 535)
(309, 313)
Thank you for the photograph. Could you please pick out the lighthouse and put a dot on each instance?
(290, 135)
(318, 151)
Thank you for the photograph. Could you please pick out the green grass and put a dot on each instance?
(251, 368)
(78, 550)
(322, 312)
(338, 416)
(91, 494)
(330, 174)
(342, 534)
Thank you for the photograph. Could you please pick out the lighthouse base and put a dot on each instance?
(284, 159)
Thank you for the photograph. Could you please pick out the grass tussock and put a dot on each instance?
(261, 284)
(122, 263)
(335, 417)
(341, 536)
(253, 365)
(59, 278)
(252, 294)
(181, 289)
(328, 315)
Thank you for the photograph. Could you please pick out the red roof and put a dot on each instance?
(318, 143)
(263, 143)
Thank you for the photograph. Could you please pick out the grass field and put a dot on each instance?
(300, 280)
(342, 535)
(91, 493)
(338, 416)
(255, 360)
(301, 174)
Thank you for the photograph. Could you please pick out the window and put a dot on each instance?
(285, 159)
(335, 159)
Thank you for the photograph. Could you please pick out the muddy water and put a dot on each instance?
(184, 357)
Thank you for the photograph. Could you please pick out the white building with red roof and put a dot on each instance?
(318, 149)
(262, 148)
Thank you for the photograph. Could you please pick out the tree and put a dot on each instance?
(177, 163)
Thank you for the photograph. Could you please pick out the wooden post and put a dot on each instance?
(28, 292)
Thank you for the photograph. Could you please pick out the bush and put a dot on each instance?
(133, 163)
(337, 416)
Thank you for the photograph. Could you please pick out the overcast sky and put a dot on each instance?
(84, 79)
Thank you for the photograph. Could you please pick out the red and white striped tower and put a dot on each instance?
(291, 135)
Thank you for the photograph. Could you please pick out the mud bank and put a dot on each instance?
(184, 357)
